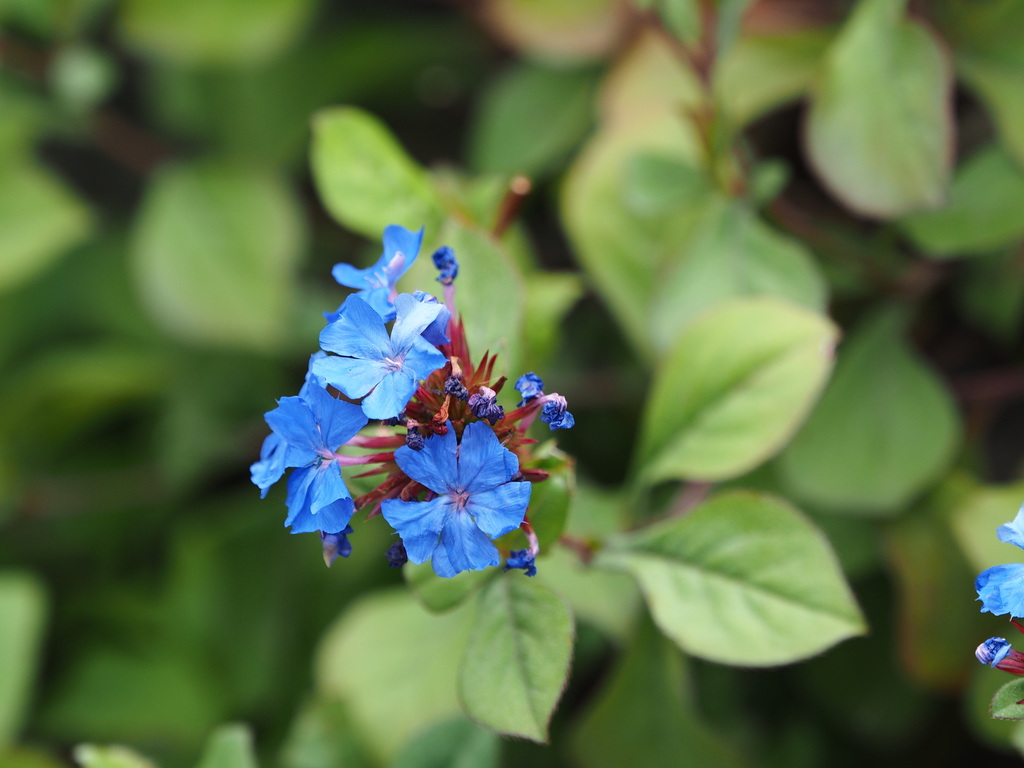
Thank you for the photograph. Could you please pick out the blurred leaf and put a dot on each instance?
(39, 221)
(885, 428)
(230, 746)
(455, 744)
(732, 253)
(516, 662)
(742, 579)
(549, 298)
(879, 130)
(392, 694)
(25, 758)
(550, 499)
(93, 756)
(22, 617)
(109, 695)
(227, 32)
(760, 73)
(215, 251)
(82, 76)
(657, 185)
(1006, 704)
(983, 211)
(557, 31)
(736, 384)
(603, 599)
(322, 736)
(643, 717)
(531, 118)
(975, 519)
(986, 42)
(682, 18)
(365, 178)
(436, 593)
(991, 293)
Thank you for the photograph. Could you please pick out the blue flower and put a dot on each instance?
(521, 558)
(377, 283)
(310, 430)
(475, 500)
(437, 332)
(1001, 588)
(335, 544)
(993, 650)
(385, 371)
(530, 386)
(555, 415)
(445, 261)
(484, 405)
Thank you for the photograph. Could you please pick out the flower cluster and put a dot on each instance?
(1001, 591)
(454, 467)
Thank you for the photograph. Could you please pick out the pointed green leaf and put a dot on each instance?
(879, 130)
(643, 717)
(230, 746)
(39, 221)
(1005, 704)
(22, 616)
(436, 593)
(885, 427)
(983, 212)
(93, 756)
(517, 659)
(216, 249)
(733, 388)
(742, 579)
(365, 178)
(394, 666)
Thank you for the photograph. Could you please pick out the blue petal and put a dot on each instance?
(358, 332)
(422, 358)
(352, 376)
(483, 462)
(351, 277)
(298, 499)
(1001, 590)
(294, 422)
(435, 465)
(500, 509)
(413, 317)
(1013, 533)
(399, 241)
(419, 523)
(463, 547)
(310, 506)
(312, 380)
(337, 420)
(437, 332)
(271, 466)
(328, 488)
(390, 396)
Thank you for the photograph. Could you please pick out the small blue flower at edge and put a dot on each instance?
(476, 500)
(1001, 588)
(312, 428)
(384, 370)
(377, 283)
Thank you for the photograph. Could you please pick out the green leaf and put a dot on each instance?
(22, 616)
(454, 744)
(558, 31)
(386, 643)
(437, 594)
(618, 730)
(548, 298)
(975, 519)
(365, 178)
(991, 293)
(657, 185)
(517, 659)
(322, 736)
(879, 131)
(1005, 704)
(216, 249)
(683, 19)
(733, 388)
(983, 212)
(230, 746)
(733, 253)
(39, 221)
(742, 579)
(550, 498)
(93, 756)
(885, 428)
(761, 73)
(228, 32)
(531, 118)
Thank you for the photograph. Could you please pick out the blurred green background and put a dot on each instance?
(165, 254)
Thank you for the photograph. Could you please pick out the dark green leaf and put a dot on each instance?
(991, 293)
(879, 132)
(455, 744)
(216, 249)
(22, 616)
(736, 384)
(983, 212)
(516, 663)
(742, 579)
(365, 178)
(438, 594)
(885, 427)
